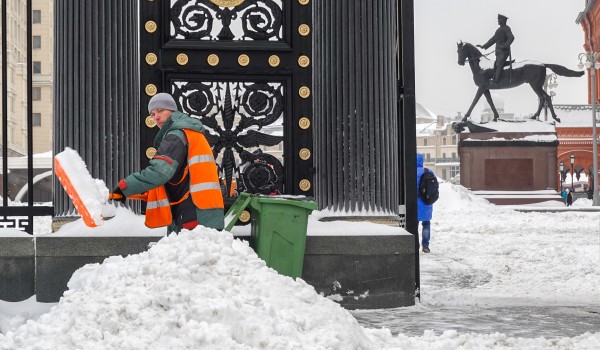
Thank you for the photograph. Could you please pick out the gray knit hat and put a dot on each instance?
(162, 100)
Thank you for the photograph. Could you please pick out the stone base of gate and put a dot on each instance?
(359, 272)
(59, 257)
(362, 272)
(17, 268)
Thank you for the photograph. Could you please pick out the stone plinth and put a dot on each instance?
(359, 271)
(59, 257)
(362, 272)
(517, 157)
(17, 268)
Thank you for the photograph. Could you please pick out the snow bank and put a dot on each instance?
(196, 290)
(458, 198)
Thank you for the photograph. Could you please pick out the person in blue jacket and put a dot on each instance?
(424, 211)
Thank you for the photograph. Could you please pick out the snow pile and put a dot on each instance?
(450, 340)
(458, 198)
(92, 192)
(196, 290)
(490, 254)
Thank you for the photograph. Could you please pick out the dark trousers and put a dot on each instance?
(501, 58)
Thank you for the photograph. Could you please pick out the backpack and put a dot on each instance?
(429, 187)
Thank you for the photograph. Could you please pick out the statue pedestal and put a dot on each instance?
(518, 157)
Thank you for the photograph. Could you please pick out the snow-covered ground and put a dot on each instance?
(205, 290)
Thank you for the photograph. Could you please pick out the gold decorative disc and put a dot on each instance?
(244, 216)
(304, 91)
(151, 89)
(227, 3)
(303, 61)
(243, 60)
(304, 185)
(304, 123)
(150, 152)
(304, 154)
(150, 26)
(303, 2)
(213, 59)
(182, 59)
(304, 29)
(150, 122)
(274, 60)
(151, 59)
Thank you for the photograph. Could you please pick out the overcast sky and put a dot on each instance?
(544, 30)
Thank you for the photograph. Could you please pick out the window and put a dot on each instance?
(37, 67)
(444, 174)
(424, 141)
(454, 155)
(36, 119)
(454, 171)
(36, 94)
(428, 157)
(444, 141)
(37, 16)
(37, 42)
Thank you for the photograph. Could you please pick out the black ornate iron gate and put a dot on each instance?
(18, 215)
(243, 68)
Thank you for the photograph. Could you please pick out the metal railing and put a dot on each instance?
(11, 216)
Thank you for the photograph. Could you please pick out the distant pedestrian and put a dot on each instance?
(569, 198)
(424, 210)
(563, 194)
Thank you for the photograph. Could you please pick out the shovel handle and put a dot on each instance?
(141, 197)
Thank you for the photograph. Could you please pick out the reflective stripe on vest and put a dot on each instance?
(204, 177)
(158, 208)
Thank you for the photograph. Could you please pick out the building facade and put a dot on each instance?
(42, 57)
(438, 143)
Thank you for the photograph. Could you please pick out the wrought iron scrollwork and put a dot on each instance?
(250, 20)
(239, 116)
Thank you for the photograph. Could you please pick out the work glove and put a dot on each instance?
(117, 195)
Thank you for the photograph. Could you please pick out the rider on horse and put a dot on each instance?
(503, 38)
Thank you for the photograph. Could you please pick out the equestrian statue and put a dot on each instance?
(491, 77)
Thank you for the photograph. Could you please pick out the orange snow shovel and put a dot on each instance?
(93, 210)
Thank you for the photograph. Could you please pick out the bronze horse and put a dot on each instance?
(532, 73)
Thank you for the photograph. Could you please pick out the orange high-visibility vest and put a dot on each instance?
(204, 177)
(204, 184)
(158, 208)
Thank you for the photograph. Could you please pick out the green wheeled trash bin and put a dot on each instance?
(278, 229)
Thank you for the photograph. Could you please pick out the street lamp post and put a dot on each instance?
(561, 168)
(549, 84)
(572, 172)
(591, 62)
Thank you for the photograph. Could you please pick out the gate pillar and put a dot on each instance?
(96, 95)
(356, 119)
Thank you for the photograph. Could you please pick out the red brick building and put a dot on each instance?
(575, 132)
(575, 138)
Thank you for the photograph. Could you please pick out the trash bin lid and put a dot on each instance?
(298, 201)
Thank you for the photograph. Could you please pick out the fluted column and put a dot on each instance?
(96, 95)
(356, 118)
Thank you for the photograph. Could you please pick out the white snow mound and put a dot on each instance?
(201, 289)
(458, 198)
